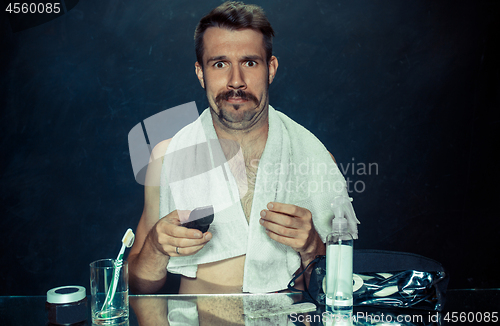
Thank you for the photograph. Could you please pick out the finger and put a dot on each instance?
(185, 251)
(178, 231)
(288, 209)
(291, 242)
(269, 218)
(189, 246)
(184, 232)
(186, 242)
(279, 229)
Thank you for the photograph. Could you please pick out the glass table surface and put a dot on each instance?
(471, 307)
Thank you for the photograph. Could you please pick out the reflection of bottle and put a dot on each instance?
(339, 266)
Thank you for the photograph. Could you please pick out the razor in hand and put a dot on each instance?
(200, 218)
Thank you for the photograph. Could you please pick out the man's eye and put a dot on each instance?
(250, 63)
(219, 64)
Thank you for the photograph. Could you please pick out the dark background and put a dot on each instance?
(413, 86)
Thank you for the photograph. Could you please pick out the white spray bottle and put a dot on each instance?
(339, 252)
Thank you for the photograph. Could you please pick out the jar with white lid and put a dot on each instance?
(67, 305)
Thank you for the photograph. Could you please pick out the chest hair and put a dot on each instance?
(245, 177)
(246, 201)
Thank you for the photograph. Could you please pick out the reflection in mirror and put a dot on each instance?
(210, 309)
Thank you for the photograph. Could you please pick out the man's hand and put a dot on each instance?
(171, 239)
(292, 226)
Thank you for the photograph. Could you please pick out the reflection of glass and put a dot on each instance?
(101, 277)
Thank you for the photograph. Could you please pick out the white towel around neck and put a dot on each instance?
(295, 168)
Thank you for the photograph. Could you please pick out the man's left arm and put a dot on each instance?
(293, 226)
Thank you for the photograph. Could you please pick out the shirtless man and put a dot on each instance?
(235, 67)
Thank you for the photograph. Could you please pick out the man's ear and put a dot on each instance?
(199, 73)
(273, 68)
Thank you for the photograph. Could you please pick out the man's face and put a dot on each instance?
(235, 76)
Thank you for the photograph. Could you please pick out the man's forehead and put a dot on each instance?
(219, 41)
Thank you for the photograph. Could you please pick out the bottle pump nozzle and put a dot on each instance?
(339, 225)
(345, 220)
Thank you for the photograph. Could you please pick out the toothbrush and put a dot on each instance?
(127, 242)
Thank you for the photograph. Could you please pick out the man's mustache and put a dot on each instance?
(238, 93)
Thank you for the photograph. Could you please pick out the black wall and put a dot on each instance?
(411, 86)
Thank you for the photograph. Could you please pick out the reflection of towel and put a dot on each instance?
(295, 168)
(182, 313)
(257, 302)
(185, 313)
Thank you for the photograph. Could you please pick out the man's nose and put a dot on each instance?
(236, 79)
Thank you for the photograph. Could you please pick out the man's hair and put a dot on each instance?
(235, 16)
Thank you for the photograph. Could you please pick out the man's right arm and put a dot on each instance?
(156, 239)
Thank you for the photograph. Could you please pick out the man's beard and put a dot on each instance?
(235, 117)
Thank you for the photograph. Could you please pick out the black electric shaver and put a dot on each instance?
(200, 218)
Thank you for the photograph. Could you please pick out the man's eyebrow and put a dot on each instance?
(217, 58)
(253, 58)
(245, 58)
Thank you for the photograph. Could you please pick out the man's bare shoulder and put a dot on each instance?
(155, 163)
(160, 149)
